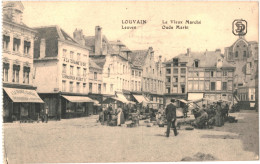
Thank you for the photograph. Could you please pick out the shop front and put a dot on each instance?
(21, 105)
(76, 106)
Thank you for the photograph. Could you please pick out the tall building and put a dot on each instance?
(113, 58)
(20, 100)
(62, 73)
(196, 75)
(152, 73)
(244, 56)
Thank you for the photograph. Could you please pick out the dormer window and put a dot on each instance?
(175, 62)
(196, 63)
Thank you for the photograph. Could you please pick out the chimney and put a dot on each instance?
(98, 40)
(42, 48)
(78, 36)
(188, 51)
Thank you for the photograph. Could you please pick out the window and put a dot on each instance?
(140, 74)
(95, 75)
(84, 72)
(168, 79)
(71, 70)
(84, 88)
(99, 88)
(146, 70)
(252, 97)
(78, 71)
(175, 88)
(90, 87)
(26, 72)
(225, 73)
(236, 54)
(78, 56)
(123, 68)
(201, 85)
(63, 86)
(224, 86)
(153, 71)
(168, 65)
(244, 55)
(175, 70)
(64, 67)
(207, 85)
(212, 73)
(64, 53)
(168, 90)
(182, 88)
(139, 86)
(111, 87)
(71, 54)
(6, 41)
(175, 79)
(71, 86)
(5, 71)
(108, 72)
(133, 72)
(183, 70)
(168, 71)
(175, 62)
(229, 85)
(196, 63)
(16, 44)
(16, 69)
(78, 87)
(195, 85)
(105, 87)
(183, 64)
(27, 46)
(212, 86)
(218, 86)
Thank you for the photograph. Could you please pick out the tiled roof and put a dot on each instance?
(137, 57)
(92, 64)
(51, 34)
(100, 60)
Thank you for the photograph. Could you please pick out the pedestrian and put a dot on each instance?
(218, 119)
(46, 114)
(171, 118)
(109, 113)
(120, 116)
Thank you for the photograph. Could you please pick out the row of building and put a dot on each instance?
(46, 67)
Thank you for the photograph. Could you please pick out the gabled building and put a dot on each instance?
(62, 73)
(20, 100)
(113, 58)
(152, 82)
(195, 75)
(243, 55)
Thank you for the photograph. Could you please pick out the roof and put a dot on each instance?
(51, 34)
(92, 64)
(99, 60)
(137, 57)
(206, 59)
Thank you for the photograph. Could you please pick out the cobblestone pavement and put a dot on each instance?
(85, 140)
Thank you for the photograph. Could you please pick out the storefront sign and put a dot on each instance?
(23, 95)
(73, 78)
(74, 62)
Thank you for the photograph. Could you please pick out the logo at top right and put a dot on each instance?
(239, 27)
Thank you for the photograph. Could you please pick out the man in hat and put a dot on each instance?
(171, 118)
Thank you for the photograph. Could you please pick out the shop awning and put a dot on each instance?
(184, 101)
(96, 103)
(140, 99)
(23, 95)
(78, 99)
(122, 98)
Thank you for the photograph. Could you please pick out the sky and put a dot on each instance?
(215, 30)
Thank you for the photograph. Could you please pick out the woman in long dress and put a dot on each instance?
(218, 119)
(120, 116)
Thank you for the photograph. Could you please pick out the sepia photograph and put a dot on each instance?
(129, 81)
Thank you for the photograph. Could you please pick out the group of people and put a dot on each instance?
(109, 115)
(214, 114)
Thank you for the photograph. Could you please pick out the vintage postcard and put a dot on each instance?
(129, 81)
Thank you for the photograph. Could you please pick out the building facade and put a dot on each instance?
(62, 73)
(152, 82)
(196, 75)
(20, 100)
(113, 58)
